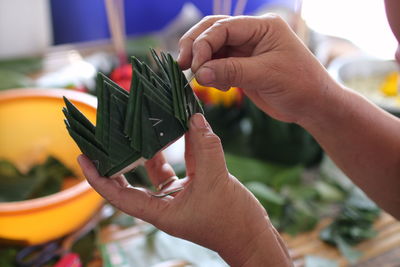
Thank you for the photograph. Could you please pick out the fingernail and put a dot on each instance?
(199, 121)
(80, 159)
(205, 75)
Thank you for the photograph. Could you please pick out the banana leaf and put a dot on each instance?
(132, 127)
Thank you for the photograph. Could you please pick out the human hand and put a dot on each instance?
(262, 56)
(214, 209)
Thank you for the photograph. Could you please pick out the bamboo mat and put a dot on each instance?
(383, 250)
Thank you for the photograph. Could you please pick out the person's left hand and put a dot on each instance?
(214, 209)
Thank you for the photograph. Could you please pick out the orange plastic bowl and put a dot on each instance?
(31, 128)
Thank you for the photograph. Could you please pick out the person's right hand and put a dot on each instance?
(262, 56)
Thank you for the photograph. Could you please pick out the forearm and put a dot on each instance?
(268, 249)
(362, 139)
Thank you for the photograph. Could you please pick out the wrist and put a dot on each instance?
(265, 249)
(327, 100)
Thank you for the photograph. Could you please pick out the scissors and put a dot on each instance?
(38, 255)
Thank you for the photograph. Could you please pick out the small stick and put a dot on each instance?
(116, 24)
(239, 8)
(227, 7)
(217, 7)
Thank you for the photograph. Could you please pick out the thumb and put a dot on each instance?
(206, 148)
(227, 72)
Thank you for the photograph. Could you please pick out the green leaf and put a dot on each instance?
(248, 169)
(329, 192)
(351, 254)
(135, 125)
(315, 261)
(41, 180)
(272, 201)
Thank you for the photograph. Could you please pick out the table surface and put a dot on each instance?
(382, 250)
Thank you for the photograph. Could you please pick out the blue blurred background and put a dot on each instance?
(79, 21)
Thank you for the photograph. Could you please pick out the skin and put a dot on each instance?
(392, 10)
(287, 82)
(265, 58)
(214, 210)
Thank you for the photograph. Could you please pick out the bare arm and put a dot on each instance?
(265, 58)
(362, 139)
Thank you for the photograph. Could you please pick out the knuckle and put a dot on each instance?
(211, 18)
(275, 19)
(182, 41)
(207, 18)
(233, 71)
(210, 141)
(197, 43)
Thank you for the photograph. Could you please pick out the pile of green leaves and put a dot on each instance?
(293, 204)
(353, 224)
(40, 180)
(135, 125)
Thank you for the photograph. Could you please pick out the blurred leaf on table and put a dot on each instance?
(353, 225)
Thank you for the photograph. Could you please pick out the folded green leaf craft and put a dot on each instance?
(132, 127)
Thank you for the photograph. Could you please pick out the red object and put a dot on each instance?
(69, 260)
(122, 75)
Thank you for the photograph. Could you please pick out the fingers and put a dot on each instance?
(234, 32)
(158, 169)
(136, 202)
(224, 73)
(186, 42)
(206, 149)
(189, 157)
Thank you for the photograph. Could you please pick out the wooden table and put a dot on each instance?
(383, 250)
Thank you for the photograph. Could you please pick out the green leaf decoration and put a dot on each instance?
(132, 127)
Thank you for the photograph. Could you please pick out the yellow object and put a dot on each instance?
(31, 128)
(211, 95)
(390, 86)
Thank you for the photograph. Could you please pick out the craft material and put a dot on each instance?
(132, 127)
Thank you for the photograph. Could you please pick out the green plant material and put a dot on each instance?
(286, 177)
(134, 125)
(315, 261)
(248, 169)
(299, 216)
(280, 142)
(353, 225)
(271, 200)
(11, 79)
(345, 248)
(289, 202)
(329, 192)
(230, 124)
(139, 46)
(7, 256)
(41, 180)
(138, 177)
(22, 65)
(86, 247)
